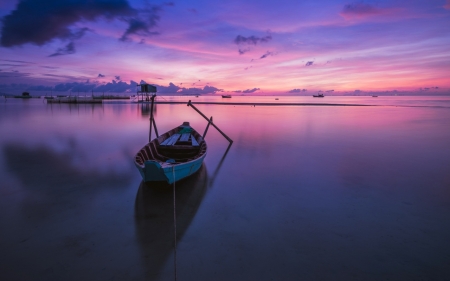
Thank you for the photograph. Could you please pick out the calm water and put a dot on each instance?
(304, 192)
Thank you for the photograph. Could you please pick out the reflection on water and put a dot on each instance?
(154, 217)
(145, 108)
(305, 192)
(46, 176)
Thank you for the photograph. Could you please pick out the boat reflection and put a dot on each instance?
(154, 217)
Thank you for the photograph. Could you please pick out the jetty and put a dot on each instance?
(111, 97)
(75, 100)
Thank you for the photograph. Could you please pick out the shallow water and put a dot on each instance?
(304, 192)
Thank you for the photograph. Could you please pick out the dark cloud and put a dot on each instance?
(101, 75)
(142, 24)
(297, 91)
(251, 40)
(112, 86)
(117, 77)
(309, 63)
(266, 55)
(19, 61)
(172, 89)
(39, 88)
(118, 87)
(243, 51)
(67, 50)
(38, 22)
(248, 91)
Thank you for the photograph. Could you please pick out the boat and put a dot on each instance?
(226, 96)
(25, 95)
(318, 96)
(172, 156)
(374, 96)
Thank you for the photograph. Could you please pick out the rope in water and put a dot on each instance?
(174, 226)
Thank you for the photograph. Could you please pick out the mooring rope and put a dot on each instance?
(174, 226)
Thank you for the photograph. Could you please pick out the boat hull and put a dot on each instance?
(154, 171)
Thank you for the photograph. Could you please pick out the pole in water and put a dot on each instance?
(152, 121)
(207, 127)
(217, 128)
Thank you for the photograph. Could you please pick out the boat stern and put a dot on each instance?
(151, 171)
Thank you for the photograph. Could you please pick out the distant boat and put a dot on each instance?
(318, 96)
(276, 99)
(25, 95)
(226, 96)
(172, 156)
(374, 96)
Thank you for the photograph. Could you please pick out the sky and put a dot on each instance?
(252, 47)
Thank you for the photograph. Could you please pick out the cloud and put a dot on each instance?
(297, 90)
(309, 63)
(248, 91)
(251, 40)
(172, 89)
(67, 50)
(142, 24)
(359, 10)
(243, 51)
(101, 75)
(118, 87)
(39, 22)
(447, 5)
(117, 77)
(266, 55)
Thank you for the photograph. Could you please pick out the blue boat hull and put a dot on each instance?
(154, 171)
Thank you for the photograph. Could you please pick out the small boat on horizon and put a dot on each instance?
(226, 96)
(374, 96)
(318, 96)
(172, 156)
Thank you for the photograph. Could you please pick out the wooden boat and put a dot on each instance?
(318, 96)
(226, 96)
(172, 156)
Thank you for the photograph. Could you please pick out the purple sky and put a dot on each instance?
(238, 47)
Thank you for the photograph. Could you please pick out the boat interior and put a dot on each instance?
(179, 145)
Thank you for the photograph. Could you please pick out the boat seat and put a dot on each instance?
(194, 141)
(171, 140)
(185, 137)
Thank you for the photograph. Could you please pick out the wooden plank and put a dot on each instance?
(194, 141)
(185, 137)
(174, 139)
(170, 140)
(166, 141)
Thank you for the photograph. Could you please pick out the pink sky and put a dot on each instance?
(273, 47)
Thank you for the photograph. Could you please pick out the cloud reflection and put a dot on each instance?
(52, 182)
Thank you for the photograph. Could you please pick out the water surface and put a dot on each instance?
(304, 192)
